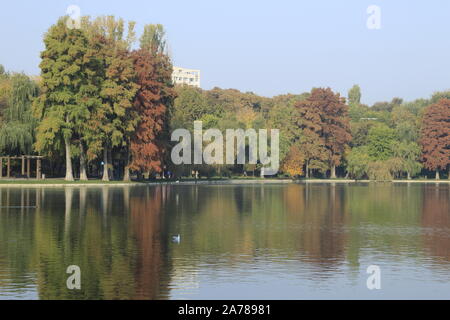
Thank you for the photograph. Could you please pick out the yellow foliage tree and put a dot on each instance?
(293, 163)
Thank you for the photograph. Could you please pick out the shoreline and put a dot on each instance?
(98, 183)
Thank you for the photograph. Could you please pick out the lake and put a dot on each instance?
(295, 241)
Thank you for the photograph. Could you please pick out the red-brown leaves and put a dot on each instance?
(435, 135)
(150, 105)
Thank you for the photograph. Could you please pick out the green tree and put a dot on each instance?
(17, 132)
(409, 153)
(113, 122)
(5, 92)
(354, 96)
(283, 117)
(190, 105)
(381, 140)
(65, 87)
(358, 162)
(153, 39)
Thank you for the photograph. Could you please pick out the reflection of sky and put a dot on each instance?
(289, 242)
(400, 279)
(25, 289)
(184, 281)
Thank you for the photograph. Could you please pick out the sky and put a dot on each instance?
(270, 47)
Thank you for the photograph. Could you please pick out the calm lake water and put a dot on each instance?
(236, 242)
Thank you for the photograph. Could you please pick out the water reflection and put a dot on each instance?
(277, 241)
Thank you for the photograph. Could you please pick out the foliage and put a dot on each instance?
(17, 132)
(354, 96)
(409, 154)
(358, 162)
(379, 171)
(151, 104)
(435, 135)
(381, 141)
(323, 119)
(293, 162)
(66, 91)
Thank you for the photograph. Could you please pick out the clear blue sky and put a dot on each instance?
(270, 47)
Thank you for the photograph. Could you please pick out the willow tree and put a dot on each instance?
(66, 91)
(5, 91)
(17, 131)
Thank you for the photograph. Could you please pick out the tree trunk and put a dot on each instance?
(111, 173)
(69, 171)
(333, 171)
(83, 174)
(126, 173)
(68, 193)
(437, 175)
(409, 175)
(105, 164)
(307, 170)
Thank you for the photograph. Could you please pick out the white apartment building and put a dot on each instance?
(186, 76)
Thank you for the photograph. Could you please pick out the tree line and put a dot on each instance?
(104, 108)
(323, 134)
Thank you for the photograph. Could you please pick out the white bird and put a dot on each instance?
(176, 238)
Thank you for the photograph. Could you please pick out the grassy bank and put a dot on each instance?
(190, 181)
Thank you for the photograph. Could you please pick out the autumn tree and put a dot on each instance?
(151, 105)
(326, 129)
(311, 142)
(336, 129)
(113, 123)
(435, 136)
(293, 162)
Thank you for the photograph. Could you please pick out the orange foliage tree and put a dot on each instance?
(324, 121)
(151, 104)
(293, 163)
(435, 136)
(336, 129)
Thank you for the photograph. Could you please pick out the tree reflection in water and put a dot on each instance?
(120, 236)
